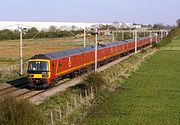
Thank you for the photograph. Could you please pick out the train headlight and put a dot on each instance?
(30, 75)
(46, 75)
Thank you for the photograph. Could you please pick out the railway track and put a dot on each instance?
(18, 84)
(22, 93)
(15, 83)
(42, 91)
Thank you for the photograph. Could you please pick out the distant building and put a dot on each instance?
(104, 31)
(136, 26)
(178, 22)
(64, 26)
(13, 25)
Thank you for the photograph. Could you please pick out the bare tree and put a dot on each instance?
(178, 22)
(116, 24)
(52, 29)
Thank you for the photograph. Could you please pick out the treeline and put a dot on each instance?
(30, 33)
(174, 32)
(8, 34)
(53, 32)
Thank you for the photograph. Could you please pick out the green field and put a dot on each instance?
(150, 96)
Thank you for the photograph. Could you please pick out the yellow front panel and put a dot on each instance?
(37, 76)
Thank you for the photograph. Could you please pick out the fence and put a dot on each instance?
(72, 106)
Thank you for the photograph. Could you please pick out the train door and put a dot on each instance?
(60, 66)
(53, 69)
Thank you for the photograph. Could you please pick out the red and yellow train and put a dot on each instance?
(44, 70)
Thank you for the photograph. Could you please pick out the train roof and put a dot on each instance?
(66, 53)
(61, 54)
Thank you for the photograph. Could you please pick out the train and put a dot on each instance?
(44, 70)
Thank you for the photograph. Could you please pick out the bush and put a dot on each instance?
(95, 80)
(166, 40)
(15, 112)
(143, 51)
(154, 44)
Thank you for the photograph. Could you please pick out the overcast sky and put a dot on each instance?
(137, 11)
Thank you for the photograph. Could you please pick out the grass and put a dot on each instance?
(15, 112)
(175, 42)
(10, 48)
(60, 100)
(149, 96)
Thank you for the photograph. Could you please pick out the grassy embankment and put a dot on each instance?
(149, 96)
(122, 69)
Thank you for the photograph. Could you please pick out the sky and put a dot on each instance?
(95, 11)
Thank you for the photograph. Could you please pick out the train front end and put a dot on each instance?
(39, 73)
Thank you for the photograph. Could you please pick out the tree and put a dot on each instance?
(6, 34)
(116, 25)
(32, 30)
(111, 27)
(158, 26)
(52, 29)
(178, 22)
(149, 25)
(73, 28)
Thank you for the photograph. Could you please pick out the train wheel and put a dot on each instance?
(54, 82)
(31, 86)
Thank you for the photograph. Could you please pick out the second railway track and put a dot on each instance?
(22, 93)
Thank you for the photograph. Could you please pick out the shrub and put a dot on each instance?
(95, 80)
(143, 51)
(154, 44)
(15, 112)
(166, 40)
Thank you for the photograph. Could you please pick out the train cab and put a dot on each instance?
(39, 72)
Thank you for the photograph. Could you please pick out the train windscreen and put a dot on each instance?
(38, 66)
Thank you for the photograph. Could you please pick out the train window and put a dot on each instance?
(38, 66)
(53, 68)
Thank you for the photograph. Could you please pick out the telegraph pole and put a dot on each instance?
(85, 37)
(144, 34)
(135, 39)
(96, 42)
(21, 54)
(122, 33)
(156, 37)
(150, 37)
(113, 36)
(161, 34)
